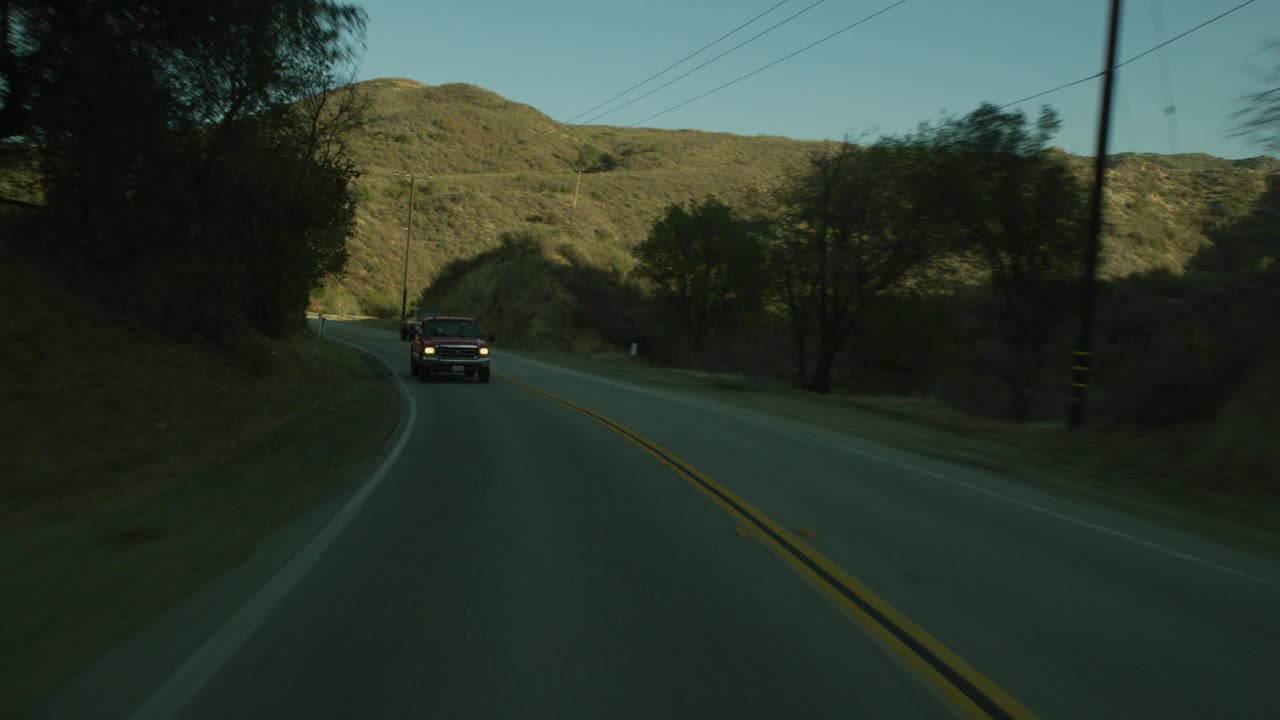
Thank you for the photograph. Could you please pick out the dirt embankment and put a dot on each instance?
(134, 468)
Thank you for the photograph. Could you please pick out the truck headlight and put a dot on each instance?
(428, 350)
(484, 352)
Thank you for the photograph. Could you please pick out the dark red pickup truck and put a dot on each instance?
(449, 345)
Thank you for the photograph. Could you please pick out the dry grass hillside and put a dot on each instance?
(498, 166)
(1162, 209)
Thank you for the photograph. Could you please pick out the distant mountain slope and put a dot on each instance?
(500, 165)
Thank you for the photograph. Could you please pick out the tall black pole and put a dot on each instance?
(404, 294)
(1083, 355)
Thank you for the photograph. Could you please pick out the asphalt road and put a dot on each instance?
(519, 558)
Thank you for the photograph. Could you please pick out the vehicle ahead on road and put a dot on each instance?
(449, 345)
(409, 325)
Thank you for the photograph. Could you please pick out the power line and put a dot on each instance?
(766, 67)
(1175, 38)
(1097, 75)
(1028, 98)
(679, 62)
(1166, 76)
(1064, 86)
(758, 35)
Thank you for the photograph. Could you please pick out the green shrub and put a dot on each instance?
(602, 301)
(379, 304)
(1173, 349)
(511, 244)
(517, 243)
(897, 346)
(399, 191)
(337, 300)
(403, 138)
(1240, 452)
(592, 159)
(571, 253)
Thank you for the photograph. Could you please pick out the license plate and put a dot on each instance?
(458, 368)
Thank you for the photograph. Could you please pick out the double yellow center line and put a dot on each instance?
(970, 691)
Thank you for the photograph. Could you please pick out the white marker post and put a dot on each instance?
(321, 316)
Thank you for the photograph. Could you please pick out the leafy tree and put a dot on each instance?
(857, 223)
(1016, 204)
(707, 267)
(191, 150)
(791, 271)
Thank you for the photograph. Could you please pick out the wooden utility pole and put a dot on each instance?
(404, 293)
(575, 191)
(1082, 357)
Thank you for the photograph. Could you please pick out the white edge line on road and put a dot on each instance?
(181, 687)
(958, 483)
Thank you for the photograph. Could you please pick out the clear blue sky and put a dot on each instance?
(910, 64)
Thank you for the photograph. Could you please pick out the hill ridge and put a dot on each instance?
(501, 165)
